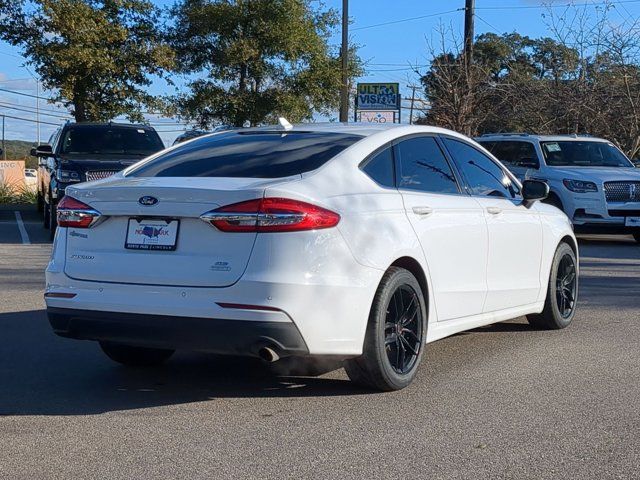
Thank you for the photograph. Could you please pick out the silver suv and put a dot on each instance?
(590, 179)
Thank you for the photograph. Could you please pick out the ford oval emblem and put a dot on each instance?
(148, 200)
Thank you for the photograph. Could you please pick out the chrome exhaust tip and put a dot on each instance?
(269, 355)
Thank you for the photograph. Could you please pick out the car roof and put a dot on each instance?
(361, 129)
(108, 124)
(541, 138)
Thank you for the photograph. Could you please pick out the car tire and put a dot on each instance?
(393, 334)
(135, 356)
(46, 212)
(562, 292)
(53, 220)
(39, 203)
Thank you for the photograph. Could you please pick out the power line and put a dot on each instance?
(410, 19)
(3, 105)
(557, 5)
(28, 120)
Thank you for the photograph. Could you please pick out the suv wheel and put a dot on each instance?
(46, 214)
(396, 334)
(562, 292)
(53, 219)
(39, 203)
(135, 356)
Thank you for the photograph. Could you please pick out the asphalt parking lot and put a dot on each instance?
(499, 402)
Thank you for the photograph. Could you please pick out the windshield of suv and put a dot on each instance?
(110, 140)
(574, 153)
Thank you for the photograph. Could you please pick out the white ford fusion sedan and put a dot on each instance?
(358, 242)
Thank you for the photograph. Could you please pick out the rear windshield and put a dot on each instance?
(109, 140)
(248, 154)
(583, 154)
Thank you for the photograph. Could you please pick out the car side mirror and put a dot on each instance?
(33, 152)
(533, 191)
(43, 150)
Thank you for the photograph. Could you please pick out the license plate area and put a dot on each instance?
(152, 234)
(632, 222)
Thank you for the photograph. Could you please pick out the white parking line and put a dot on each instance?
(23, 231)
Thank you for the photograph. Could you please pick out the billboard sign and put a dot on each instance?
(369, 116)
(378, 96)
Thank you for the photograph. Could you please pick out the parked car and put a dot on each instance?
(81, 152)
(31, 178)
(589, 178)
(191, 134)
(359, 242)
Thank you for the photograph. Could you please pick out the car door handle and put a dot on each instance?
(422, 211)
(494, 210)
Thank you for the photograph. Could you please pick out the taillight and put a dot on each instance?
(74, 213)
(271, 215)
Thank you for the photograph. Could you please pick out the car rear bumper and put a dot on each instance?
(162, 331)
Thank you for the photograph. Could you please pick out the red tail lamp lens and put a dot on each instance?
(271, 215)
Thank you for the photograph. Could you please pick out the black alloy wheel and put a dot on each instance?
(403, 329)
(566, 286)
(396, 334)
(562, 291)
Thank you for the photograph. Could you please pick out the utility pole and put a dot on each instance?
(413, 99)
(38, 107)
(4, 150)
(344, 87)
(469, 11)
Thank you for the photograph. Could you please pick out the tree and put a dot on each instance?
(259, 59)
(95, 55)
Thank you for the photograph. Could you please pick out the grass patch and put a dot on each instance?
(10, 194)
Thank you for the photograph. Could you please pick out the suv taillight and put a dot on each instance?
(74, 213)
(271, 215)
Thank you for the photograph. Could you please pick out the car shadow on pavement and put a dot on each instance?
(42, 374)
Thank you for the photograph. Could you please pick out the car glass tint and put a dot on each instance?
(380, 168)
(513, 154)
(583, 154)
(258, 154)
(110, 140)
(423, 167)
(483, 175)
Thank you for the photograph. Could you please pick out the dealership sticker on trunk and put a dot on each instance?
(632, 222)
(152, 234)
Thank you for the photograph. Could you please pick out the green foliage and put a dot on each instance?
(257, 60)
(20, 195)
(19, 150)
(96, 55)
(543, 86)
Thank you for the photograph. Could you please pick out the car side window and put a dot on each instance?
(514, 153)
(424, 167)
(484, 176)
(380, 168)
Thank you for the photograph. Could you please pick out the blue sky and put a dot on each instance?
(390, 50)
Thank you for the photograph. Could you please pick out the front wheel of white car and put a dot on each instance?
(562, 292)
(396, 334)
(135, 356)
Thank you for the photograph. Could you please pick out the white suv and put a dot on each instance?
(590, 179)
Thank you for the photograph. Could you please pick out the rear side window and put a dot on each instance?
(423, 167)
(514, 154)
(262, 154)
(380, 168)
